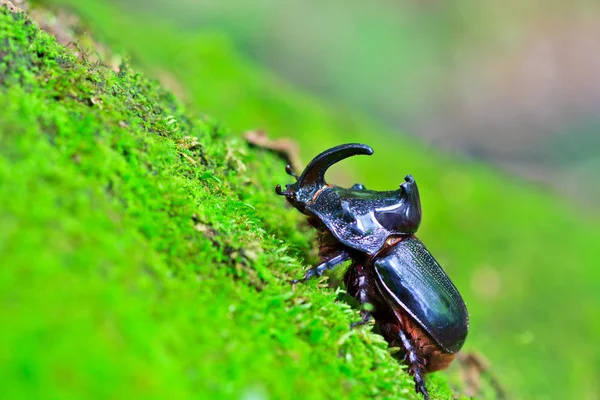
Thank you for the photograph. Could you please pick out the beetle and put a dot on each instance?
(415, 305)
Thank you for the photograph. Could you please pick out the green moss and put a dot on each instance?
(144, 254)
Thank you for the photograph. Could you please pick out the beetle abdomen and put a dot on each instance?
(437, 358)
(410, 278)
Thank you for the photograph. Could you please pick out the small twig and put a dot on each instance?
(190, 159)
(286, 149)
(474, 366)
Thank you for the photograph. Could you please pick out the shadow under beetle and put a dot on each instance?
(414, 303)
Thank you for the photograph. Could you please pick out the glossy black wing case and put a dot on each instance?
(411, 278)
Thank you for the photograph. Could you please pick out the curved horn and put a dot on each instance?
(314, 173)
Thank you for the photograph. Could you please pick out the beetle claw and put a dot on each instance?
(364, 321)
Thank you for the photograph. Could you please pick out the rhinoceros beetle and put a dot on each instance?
(413, 302)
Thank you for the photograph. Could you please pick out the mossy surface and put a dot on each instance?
(524, 260)
(144, 253)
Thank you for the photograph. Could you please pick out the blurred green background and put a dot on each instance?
(512, 83)
(491, 106)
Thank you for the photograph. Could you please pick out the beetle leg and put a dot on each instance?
(366, 317)
(416, 365)
(362, 285)
(324, 266)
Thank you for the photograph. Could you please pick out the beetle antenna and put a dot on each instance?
(290, 171)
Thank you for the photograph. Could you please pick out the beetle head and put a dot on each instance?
(312, 180)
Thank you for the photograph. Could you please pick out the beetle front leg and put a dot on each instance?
(324, 266)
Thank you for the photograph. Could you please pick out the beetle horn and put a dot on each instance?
(314, 173)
